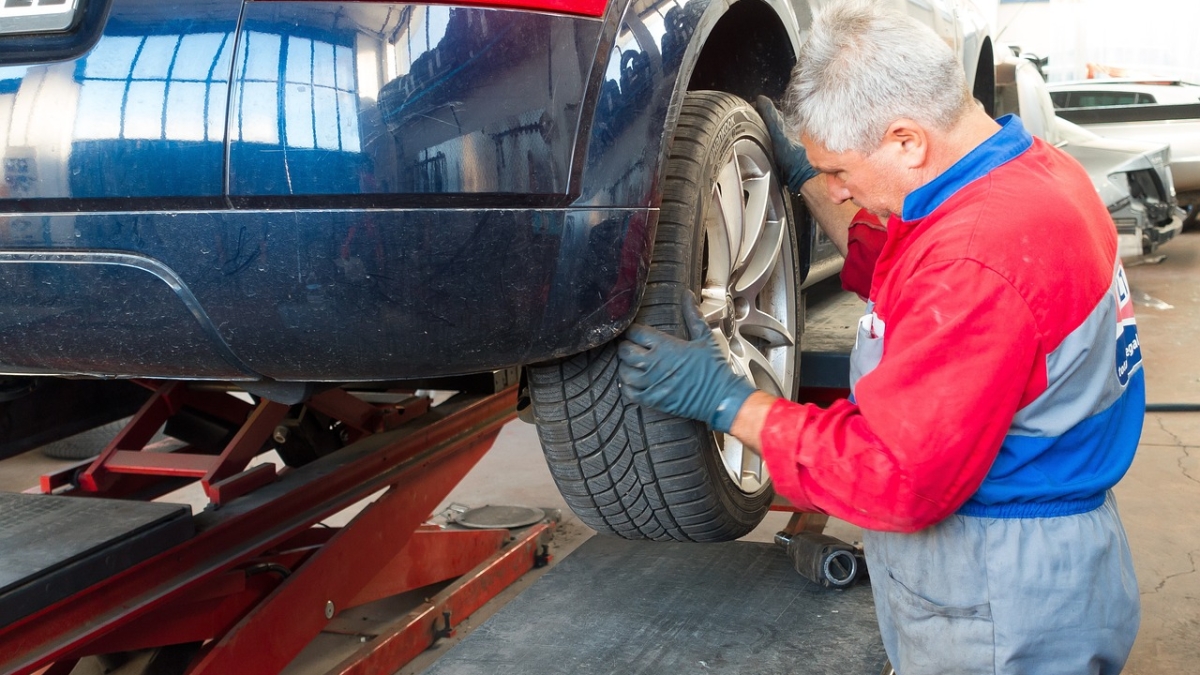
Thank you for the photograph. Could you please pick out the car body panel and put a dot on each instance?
(1145, 219)
(1183, 136)
(315, 191)
(333, 295)
(49, 299)
(1165, 113)
(383, 98)
(638, 88)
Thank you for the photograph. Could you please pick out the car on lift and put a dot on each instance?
(1133, 178)
(292, 194)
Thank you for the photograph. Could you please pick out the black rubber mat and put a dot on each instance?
(623, 607)
(55, 546)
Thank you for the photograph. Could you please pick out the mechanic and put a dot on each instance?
(997, 388)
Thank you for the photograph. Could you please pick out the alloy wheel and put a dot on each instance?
(749, 293)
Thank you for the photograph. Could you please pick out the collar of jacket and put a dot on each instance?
(1003, 146)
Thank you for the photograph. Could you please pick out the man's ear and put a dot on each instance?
(908, 141)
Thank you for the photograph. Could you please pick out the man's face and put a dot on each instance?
(872, 181)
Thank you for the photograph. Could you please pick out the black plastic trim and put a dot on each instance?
(1129, 113)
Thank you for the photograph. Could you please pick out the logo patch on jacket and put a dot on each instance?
(1129, 349)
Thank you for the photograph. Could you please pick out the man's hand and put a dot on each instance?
(789, 154)
(686, 378)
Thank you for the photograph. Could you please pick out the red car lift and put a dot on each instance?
(260, 578)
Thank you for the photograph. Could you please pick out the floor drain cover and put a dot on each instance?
(496, 517)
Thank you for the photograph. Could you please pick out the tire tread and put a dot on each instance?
(624, 470)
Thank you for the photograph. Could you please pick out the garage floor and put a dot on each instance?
(1159, 498)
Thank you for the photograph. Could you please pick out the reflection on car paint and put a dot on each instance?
(639, 77)
(405, 99)
(140, 115)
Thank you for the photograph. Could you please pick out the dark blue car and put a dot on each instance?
(278, 194)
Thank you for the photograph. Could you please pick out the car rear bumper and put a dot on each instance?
(335, 295)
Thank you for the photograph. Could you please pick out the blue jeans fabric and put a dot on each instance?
(1036, 596)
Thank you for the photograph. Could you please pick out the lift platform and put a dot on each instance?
(830, 326)
(94, 567)
(615, 607)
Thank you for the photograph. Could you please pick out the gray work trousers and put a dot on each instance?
(1036, 596)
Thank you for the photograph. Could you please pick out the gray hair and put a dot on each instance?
(863, 67)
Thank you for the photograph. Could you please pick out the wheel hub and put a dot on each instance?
(728, 318)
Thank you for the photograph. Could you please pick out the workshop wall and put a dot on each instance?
(1149, 38)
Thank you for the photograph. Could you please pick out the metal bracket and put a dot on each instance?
(446, 631)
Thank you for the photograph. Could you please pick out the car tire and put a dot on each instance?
(642, 474)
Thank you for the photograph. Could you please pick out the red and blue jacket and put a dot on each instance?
(997, 371)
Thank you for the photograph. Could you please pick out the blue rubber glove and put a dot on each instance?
(789, 155)
(686, 378)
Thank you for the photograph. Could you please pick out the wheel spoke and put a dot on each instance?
(733, 456)
(720, 249)
(766, 327)
(752, 465)
(712, 305)
(754, 217)
(763, 257)
(723, 343)
(756, 365)
(729, 191)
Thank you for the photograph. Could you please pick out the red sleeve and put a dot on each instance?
(928, 421)
(865, 240)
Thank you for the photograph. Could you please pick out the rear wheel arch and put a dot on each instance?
(747, 51)
(745, 48)
(764, 66)
(610, 170)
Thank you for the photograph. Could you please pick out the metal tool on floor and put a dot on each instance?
(823, 559)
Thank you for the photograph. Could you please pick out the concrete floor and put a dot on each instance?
(1159, 498)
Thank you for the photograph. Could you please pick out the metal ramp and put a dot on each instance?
(830, 327)
(56, 546)
(625, 608)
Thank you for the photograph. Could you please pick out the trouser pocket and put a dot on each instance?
(933, 637)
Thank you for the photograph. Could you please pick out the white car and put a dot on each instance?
(1133, 178)
(1142, 110)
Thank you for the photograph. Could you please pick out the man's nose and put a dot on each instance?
(837, 189)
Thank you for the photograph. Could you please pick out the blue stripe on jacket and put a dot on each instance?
(1066, 481)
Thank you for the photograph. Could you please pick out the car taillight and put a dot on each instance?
(580, 7)
(1145, 184)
